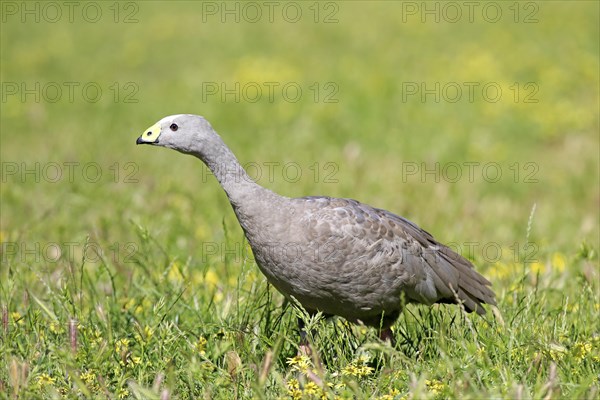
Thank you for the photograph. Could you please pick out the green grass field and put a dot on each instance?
(124, 273)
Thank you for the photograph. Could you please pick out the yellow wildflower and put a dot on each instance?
(211, 278)
(557, 351)
(90, 380)
(45, 379)
(17, 318)
(537, 268)
(128, 303)
(146, 304)
(581, 350)
(175, 275)
(559, 262)
(391, 395)
(357, 368)
(435, 386)
(311, 388)
(480, 351)
(293, 389)
(573, 307)
(96, 338)
(300, 363)
(145, 335)
(337, 387)
(88, 377)
(201, 345)
(502, 270)
(56, 328)
(123, 394)
(207, 366)
(148, 332)
(363, 370)
(122, 345)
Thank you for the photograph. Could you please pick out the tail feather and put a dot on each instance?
(457, 281)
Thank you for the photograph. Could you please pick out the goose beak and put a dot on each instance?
(150, 135)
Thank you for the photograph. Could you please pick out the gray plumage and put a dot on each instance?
(337, 256)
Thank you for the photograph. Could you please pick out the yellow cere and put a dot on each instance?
(151, 134)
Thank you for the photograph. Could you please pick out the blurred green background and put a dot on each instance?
(357, 118)
(164, 56)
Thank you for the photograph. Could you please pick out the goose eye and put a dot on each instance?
(174, 127)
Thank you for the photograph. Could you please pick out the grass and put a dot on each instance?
(124, 273)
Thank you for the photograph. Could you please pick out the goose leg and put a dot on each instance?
(304, 347)
(386, 335)
(385, 327)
